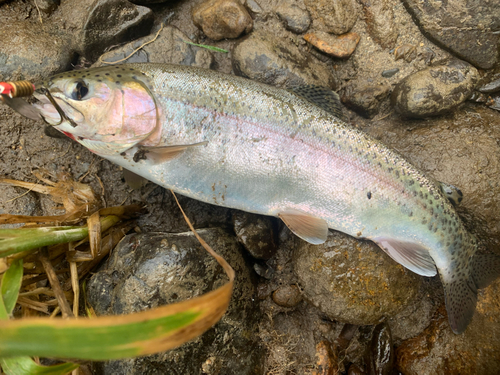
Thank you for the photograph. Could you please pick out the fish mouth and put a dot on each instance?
(51, 111)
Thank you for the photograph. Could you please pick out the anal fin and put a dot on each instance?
(311, 229)
(409, 254)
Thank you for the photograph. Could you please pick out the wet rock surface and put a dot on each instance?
(150, 270)
(352, 281)
(476, 351)
(221, 19)
(435, 90)
(477, 23)
(256, 233)
(365, 98)
(272, 60)
(379, 18)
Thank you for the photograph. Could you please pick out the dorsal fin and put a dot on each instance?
(451, 192)
(409, 254)
(310, 228)
(322, 97)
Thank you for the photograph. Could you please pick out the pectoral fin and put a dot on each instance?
(409, 254)
(305, 226)
(159, 154)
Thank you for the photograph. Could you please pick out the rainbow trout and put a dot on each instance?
(241, 144)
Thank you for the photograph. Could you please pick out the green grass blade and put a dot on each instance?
(26, 366)
(114, 337)
(13, 241)
(212, 48)
(11, 283)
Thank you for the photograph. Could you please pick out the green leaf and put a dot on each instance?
(26, 366)
(113, 337)
(11, 283)
(216, 49)
(17, 240)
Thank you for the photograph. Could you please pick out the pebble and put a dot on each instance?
(170, 47)
(434, 90)
(325, 359)
(141, 274)
(435, 350)
(365, 98)
(494, 102)
(287, 296)
(353, 281)
(492, 86)
(148, 2)
(469, 32)
(390, 72)
(295, 18)
(269, 59)
(407, 52)
(380, 354)
(256, 234)
(48, 6)
(221, 19)
(337, 17)
(99, 25)
(341, 46)
(379, 18)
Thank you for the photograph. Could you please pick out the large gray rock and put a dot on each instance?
(435, 90)
(353, 281)
(149, 270)
(269, 59)
(169, 47)
(32, 53)
(97, 24)
(467, 28)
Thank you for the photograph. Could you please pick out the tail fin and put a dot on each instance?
(461, 285)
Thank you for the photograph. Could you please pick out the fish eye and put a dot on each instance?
(80, 91)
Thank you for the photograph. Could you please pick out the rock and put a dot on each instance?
(266, 58)
(256, 234)
(32, 54)
(149, 270)
(170, 47)
(435, 90)
(220, 19)
(467, 29)
(390, 72)
(98, 24)
(353, 281)
(253, 6)
(494, 102)
(492, 86)
(379, 19)
(341, 46)
(295, 18)
(48, 6)
(365, 98)
(407, 52)
(439, 351)
(380, 355)
(148, 2)
(337, 17)
(287, 296)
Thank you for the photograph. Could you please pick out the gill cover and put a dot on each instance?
(111, 108)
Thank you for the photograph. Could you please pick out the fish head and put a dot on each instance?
(109, 110)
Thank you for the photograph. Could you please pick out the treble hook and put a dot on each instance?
(59, 110)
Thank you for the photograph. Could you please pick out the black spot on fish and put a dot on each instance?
(369, 195)
(117, 82)
(107, 74)
(410, 214)
(99, 80)
(119, 76)
(97, 75)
